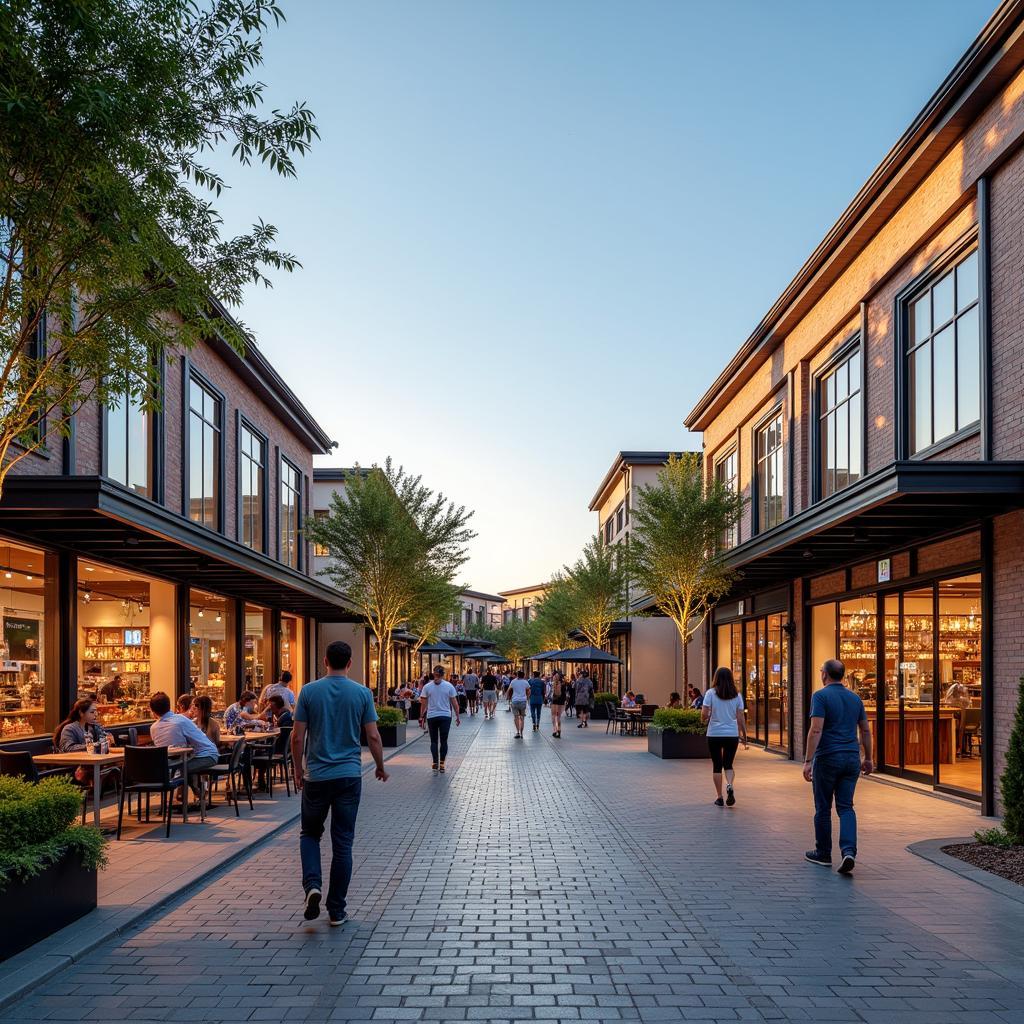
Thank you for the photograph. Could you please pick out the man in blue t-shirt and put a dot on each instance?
(832, 762)
(537, 691)
(327, 762)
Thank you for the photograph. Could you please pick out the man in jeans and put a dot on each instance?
(832, 762)
(438, 705)
(326, 759)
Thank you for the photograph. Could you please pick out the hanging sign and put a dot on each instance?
(884, 570)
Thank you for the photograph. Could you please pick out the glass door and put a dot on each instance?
(917, 691)
(777, 678)
(753, 646)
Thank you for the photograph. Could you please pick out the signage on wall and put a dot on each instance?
(739, 607)
(908, 666)
(884, 570)
(22, 638)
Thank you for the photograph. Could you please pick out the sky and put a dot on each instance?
(534, 231)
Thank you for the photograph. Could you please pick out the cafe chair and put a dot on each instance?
(147, 770)
(232, 771)
(971, 726)
(270, 756)
(616, 718)
(19, 765)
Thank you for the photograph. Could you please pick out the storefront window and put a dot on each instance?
(293, 648)
(211, 632)
(125, 640)
(917, 681)
(22, 647)
(258, 631)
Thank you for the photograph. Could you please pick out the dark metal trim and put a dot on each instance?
(864, 387)
(988, 688)
(790, 444)
(193, 373)
(182, 639)
(985, 312)
(67, 643)
(159, 450)
(758, 425)
(239, 642)
(241, 420)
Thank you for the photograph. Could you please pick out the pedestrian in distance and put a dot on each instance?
(471, 682)
(327, 765)
(489, 693)
(558, 695)
(518, 691)
(537, 691)
(723, 711)
(833, 764)
(584, 699)
(439, 703)
(570, 696)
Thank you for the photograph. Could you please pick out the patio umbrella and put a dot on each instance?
(544, 655)
(478, 653)
(493, 656)
(588, 655)
(439, 647)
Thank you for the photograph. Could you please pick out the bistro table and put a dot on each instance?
(227, 739)
(80, 759)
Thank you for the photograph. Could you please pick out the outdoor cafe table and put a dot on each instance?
(227, 739)
(80, 759)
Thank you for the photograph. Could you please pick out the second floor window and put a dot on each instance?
(204, 464)
(289, 514)
(726, 473)
(609, 528)
(620, 517)
(839, 426)
(128, 430)
(943, 356)
(321, 550)
(770, 486)
(252, 455)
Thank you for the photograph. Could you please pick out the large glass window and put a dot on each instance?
(291, 495)
(839, 426)
(204, 468)
(770, 486)
(252, 455)
(258, 632)
(727, 474)
(293, 648)
(943, 356)
(129, 444)
(23, 668)
(210, 649)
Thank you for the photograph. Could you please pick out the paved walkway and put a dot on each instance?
(580, 879)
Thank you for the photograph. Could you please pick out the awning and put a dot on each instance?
(96, 518)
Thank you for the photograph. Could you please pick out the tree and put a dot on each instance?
(1012, 781)
(385, 535)
(516, 640)
(434, 604)
(556, 614)
(675, 551)
(111, 250)
(599, 585)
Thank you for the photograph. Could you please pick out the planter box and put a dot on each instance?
(32, 910)
(670, 744)
(390, 735)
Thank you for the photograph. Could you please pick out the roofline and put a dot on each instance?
(258, 372)
(483, 596)
(332, 474)
(923, 138)
(629, 459)
(523, 590)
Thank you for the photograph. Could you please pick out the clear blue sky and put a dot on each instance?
(535, 230)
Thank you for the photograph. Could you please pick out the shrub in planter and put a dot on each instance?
(390, 716)
(677, 733)
(1012, 781)
(685, 720)
(48, 864)
(603, 700)
(391, 724)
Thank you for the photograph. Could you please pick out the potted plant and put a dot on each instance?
(677, 732)
(603, 700)
(48, 864)
(391, 723)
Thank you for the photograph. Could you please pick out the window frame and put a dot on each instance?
(854, 344)
(189, 373)
(244, 423)
(731, 451)
(282, 461)
(775, 413)
(318, 551)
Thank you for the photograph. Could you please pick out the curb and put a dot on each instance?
(52, 964)
(931, 850)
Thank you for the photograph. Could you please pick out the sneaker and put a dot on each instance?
(847, 864)
(312, 908)
(824, 859)
(433, 767)
(440, 767)
(337, 920)
(730, 796)
(579, 725)
(719, 802)
(519, 735)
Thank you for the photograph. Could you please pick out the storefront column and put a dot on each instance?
(66, 575)
(236, 639)
(988, 718)
(182, 638)
(275, 643)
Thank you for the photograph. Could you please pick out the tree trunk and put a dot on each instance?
(384, 656)
(686, 672)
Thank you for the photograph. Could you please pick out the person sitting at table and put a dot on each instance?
(203, 717)
(629, 701)
(640, 699)
(674, 700)
(696, 698)
(70, 737)
(184, 705)
(242, 712)
(279, 711)
(174, 730)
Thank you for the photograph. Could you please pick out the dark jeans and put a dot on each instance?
(835, 778)
(340, 797)
(439, 726)
(535, 710)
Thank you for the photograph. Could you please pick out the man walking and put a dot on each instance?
(328, 716)
(538, 691)
(517, 691)
(584, 698)
(438, 704)
(832, 762)
(471, 682)
(489, 684)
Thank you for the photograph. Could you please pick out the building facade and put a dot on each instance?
(874, 422)
(519, 601)
(162, 550)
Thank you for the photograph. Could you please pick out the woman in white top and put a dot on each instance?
(724, 713)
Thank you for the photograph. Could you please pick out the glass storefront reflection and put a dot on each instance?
(210, 654)
(22, 641)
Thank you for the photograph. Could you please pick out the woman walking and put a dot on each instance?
(724, 713)
(558, 696)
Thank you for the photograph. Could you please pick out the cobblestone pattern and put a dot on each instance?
(579, 880)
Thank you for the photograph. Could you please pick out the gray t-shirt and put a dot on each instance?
(334, 709)
(471, 681)
(584, 691)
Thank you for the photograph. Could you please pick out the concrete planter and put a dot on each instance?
(599, 712)
(390, 735)
(666, 743)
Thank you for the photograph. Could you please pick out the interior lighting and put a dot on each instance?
(7, 575)
(28, 576)
(87, 597)
(218, 616)
(200, 613)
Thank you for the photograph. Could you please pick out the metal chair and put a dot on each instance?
(268, 757)
(232, 771)
(19, 765)
(148, 770)
(970, 726)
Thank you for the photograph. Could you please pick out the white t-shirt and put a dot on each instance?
(438, 697)
(519, 689)
(723, 714)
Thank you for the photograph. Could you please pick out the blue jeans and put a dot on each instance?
(835, 778)
(535, 710)
(439, 727)
(340, 797)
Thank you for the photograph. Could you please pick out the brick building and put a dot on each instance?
(875, 421)
(163, 550)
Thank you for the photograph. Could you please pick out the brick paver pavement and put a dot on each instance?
(580, 879)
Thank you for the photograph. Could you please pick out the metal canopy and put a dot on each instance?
(438, 648)
(98, 519)
(904, 504)
(588, 655)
